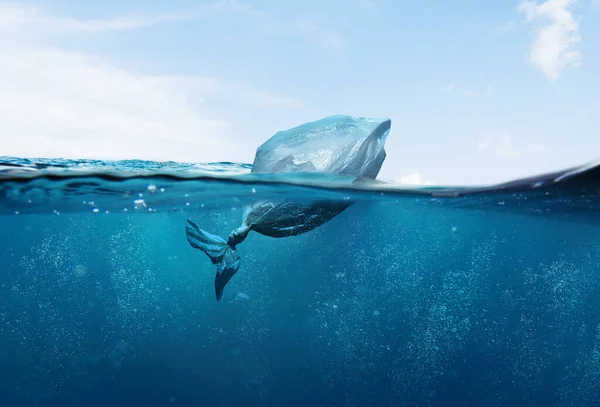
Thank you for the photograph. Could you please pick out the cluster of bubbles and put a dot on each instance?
(51, 304)
(394, 312)
(418, 310)
(85, 296)
(399, 302)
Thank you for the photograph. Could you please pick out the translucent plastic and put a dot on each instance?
(344, 145)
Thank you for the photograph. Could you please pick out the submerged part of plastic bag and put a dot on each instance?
(344, 145)
(218, 251)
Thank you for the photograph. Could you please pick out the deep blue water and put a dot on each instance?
(419, 297)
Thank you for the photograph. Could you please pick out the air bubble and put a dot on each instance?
(80, 270)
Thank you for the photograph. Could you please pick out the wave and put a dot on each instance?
(98, 186)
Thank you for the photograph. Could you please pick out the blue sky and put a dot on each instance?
(478, 91)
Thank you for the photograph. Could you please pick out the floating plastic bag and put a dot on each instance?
(344, 145)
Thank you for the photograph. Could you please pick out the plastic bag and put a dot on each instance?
(344, 145)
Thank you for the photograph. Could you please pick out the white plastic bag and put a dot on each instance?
(343, 145)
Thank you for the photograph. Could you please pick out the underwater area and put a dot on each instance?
(409, 297)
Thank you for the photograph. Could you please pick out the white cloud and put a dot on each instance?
(73, 105)
(59, 103)
(557, 36)
(413, 178)
(28, 17)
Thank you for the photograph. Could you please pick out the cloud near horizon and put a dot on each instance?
(413, 178)
(56, 102)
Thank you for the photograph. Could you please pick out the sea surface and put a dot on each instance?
(413, 296)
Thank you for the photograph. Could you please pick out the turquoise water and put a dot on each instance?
(442, 296)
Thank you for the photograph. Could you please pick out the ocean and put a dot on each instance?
(412, 296)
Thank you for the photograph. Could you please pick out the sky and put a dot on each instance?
(478, 91)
